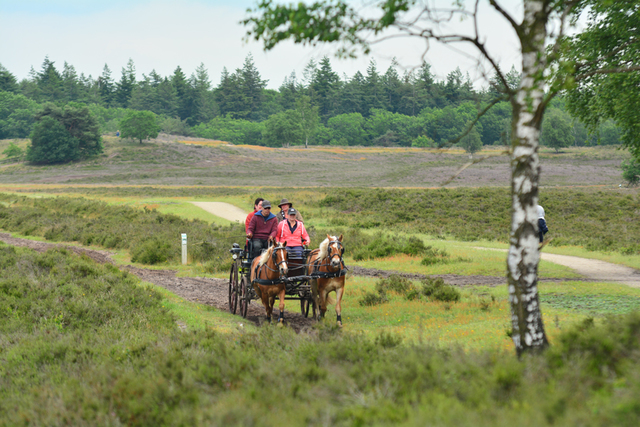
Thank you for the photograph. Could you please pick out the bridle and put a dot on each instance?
(274, 257)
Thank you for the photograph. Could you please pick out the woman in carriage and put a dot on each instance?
(293, 232)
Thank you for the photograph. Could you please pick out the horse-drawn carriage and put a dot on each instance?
(307, 278)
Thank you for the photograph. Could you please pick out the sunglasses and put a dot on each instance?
(267, 208)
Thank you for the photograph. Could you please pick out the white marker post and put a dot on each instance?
(184, 249)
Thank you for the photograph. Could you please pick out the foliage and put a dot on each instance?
(13, 150)
(423, 141)
(282, 129)
(81, 124)
(139, 125)
(230, 130)
(102, 350)
(605, 45)
(152, 251)
(556, 129)
(16, 115)
(438, 290)
(471, 214)
(631, 171)
(471, 142)
(175, 126)
(52, 143)
(151, 237)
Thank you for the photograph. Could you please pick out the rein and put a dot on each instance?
(259, 269)
(328, 274)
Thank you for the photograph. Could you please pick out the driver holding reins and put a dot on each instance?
(293, 232)
(263, 225)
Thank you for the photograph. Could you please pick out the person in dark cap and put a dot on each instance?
(262, 226)
(293, 232)
(284, 206)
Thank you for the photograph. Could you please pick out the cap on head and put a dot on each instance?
(266, 204)
(285, 202)
(292, 211)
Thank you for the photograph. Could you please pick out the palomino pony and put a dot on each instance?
(267, 272)
(329, 271)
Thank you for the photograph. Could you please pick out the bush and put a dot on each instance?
(151, 252)
(51, 143)
(396, 283)
(435, 256)
(13, 150)
(373, 298)
(438, 290)
(631, 172)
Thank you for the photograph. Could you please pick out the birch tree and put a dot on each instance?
(545, 71)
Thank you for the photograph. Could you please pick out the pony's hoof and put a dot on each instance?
(281, 324)
(339, 324)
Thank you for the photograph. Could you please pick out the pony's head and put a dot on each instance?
(332, 248)
(278, 253)
(279, 256)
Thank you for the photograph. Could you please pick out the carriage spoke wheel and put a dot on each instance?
(234, 288)
(245, 297)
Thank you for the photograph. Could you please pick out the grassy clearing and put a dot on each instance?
(84, 344)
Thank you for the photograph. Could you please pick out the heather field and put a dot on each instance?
(95, 345)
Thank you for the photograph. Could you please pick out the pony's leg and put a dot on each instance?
(265, 302)
(339, 293)
(316, 299)
(272, 300)
(281, 306)
(323, 302)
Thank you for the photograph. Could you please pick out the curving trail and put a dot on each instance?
(223, 210)
(591, 269)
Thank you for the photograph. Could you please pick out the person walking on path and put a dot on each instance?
(284, 206)
(262, 227)
(293, 232)
(542, 224)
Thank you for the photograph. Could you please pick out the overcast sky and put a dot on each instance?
(162, 35)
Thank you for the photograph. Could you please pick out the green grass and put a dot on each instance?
(85, 344)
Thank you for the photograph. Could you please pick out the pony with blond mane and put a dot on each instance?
(267, 273)
(329, 273)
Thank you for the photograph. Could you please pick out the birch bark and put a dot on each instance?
(522, 261)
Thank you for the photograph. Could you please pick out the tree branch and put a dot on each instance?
(473, 162)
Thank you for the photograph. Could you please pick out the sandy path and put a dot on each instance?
(592, 269)
(223, 210)
(601, 271)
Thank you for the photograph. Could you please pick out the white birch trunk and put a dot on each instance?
(522, 261)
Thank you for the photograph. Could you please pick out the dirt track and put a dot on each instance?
(214, 292)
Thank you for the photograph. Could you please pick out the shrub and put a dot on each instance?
(151, 252)
(631, 172)
(396, 283)
(51, 143)
(438, 290)
(435, 256)
(13, 150)
(373, 298)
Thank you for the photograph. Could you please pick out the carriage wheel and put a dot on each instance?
(245, 297)
(234, 288)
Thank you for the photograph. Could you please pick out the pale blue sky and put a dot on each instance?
(163, 34)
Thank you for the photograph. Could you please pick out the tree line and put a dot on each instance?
(376, 108)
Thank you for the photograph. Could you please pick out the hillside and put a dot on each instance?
(175, 160)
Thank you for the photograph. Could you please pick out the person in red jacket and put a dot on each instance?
(293, 232)
(257, 206)
(263, 226)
